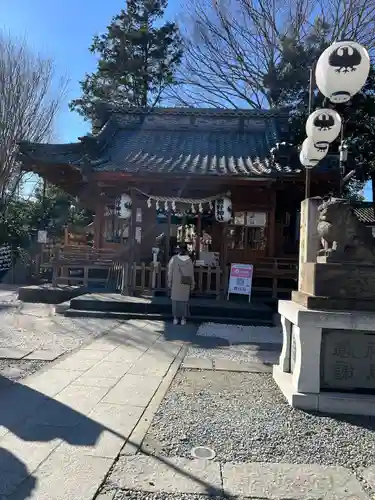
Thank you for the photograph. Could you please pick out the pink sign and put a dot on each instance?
(240, 279)
(241, 271)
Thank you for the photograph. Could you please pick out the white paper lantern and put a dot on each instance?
(342, 70)
(126, 206)
(312, 153)
(323, 126)
(223, 209)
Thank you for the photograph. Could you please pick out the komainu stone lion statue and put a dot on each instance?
(343, 236)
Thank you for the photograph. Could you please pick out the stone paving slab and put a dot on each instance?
(71, 364)
(56, 381)
(9, 480)
(125, 354)
(92, 355)
(234, 366)
(89, 381)
(13, 352)
(102, 344)
(368, 475)
(64, 426)
(150, 365)
(109, 368)
(175, 475)
(294, 482)
(65, 476)
(44, 354)
(136, 390)
(197, 364)
(31, 452)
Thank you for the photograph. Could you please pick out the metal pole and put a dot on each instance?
(311, 95)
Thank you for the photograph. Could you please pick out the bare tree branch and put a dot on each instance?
(230, 45)
(30, 98)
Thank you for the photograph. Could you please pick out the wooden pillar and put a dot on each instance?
(223, 259)
(183, 232)
(132, 232)
(198, 236)
(98, 226)
(271, 228)
(168, 238)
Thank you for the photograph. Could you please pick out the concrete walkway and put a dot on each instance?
(61, 429)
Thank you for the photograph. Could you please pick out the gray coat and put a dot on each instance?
(180, 265)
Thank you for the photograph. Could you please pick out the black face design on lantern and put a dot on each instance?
(345, 59)
(321, 147)
(324, 121)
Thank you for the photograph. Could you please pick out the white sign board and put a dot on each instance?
(42, 236)
(240, 279)
(256, 219)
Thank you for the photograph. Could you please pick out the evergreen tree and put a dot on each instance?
(137, 59)
(287, 85)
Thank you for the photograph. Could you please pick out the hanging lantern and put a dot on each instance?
(126, 205)
(323, 126)
(166, 207)
(157, 206)
(173, 205)
(200, 208)
(192, 208)
(210, 205)
(342, 70)
(312, 152)
(223, 209)
(149, 203)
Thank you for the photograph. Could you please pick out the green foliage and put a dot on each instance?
(21, 218)
(288, 87)
(137, 59)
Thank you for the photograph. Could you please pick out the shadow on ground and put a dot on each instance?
(32, 416)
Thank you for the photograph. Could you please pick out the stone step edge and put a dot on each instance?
(159, 473)
(157, 317)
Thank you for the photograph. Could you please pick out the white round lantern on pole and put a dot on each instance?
(323, 126)
(342, 70)
(223, 209)
(311, 152)
(126, 206)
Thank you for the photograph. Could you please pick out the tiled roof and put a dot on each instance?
(63, 154)
(365, 213)
(191, 152)
(176, 141)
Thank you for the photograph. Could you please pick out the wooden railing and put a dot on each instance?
(89, 267)
(272, 277)
(80, 265)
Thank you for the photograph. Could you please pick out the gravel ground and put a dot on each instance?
(237, 334)
(14, 369)
(241, 354)
(244, 418)
(35, 326)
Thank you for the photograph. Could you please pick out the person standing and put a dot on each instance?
(181, 283)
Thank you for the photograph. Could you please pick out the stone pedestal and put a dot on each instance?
(327, 360)
(336, 286)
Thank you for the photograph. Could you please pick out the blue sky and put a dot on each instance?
(63, 30)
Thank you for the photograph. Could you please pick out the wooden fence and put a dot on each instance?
(82, 265)
(272, 277)
(79, 265)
